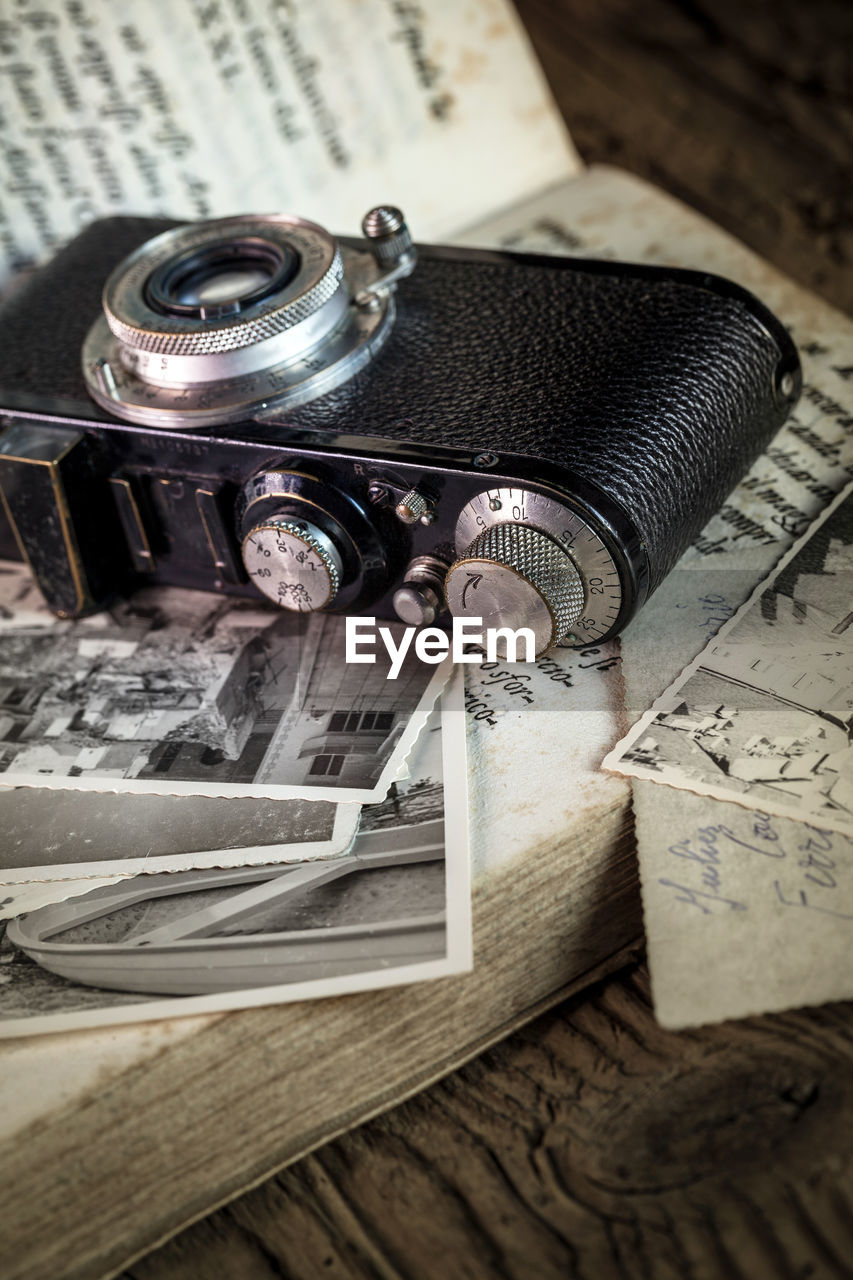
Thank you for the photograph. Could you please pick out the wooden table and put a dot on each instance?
(594, 1144)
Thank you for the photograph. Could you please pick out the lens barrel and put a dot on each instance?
(214, 322)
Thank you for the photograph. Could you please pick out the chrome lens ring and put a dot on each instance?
(196, 392)
(136, 318)
(223, 321)
(223, 278)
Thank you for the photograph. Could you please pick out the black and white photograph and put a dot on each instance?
(394, 909)
(65, 835)
(181, 693)
(764, 715)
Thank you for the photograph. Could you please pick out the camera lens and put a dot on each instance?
(214, 322)
(221, 279)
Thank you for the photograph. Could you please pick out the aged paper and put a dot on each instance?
(186, 694)
(763, 715)
(395, 910)
(323, 109)
(42, 1075)
(536, 736)
(708, 965)
(745, 912)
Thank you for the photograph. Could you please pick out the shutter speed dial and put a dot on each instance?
(527, 560)
(308, 545)
(515, 576)
(293, 563)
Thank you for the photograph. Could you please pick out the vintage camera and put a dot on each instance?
(250, 406)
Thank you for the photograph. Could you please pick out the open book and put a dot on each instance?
(324, 109)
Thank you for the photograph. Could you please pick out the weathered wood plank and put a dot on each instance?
(744, 111)
(593, 1144)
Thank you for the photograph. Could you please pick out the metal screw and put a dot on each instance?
(486, 460)
(495, 504)
(376, 493)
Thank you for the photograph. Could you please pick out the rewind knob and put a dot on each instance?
(515, 576)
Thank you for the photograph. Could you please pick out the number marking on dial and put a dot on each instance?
(289, 570)
(602, 584)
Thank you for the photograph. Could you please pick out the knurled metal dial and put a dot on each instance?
(140, 327)
(575, 534)
(390, 239)
(515, 576)
(293, 563)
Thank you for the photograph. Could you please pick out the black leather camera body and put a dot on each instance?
(249, 406)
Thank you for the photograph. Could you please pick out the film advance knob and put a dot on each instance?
(514, 576)
(294, 563)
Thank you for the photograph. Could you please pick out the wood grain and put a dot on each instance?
(742, 110)
(593, 1144)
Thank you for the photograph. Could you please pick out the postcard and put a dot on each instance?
(763, 716)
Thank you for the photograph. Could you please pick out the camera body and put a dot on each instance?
(527, 439)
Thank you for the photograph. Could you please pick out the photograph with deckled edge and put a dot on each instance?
(69, 835)
(396, 909)
(764, 716)
(180, 693)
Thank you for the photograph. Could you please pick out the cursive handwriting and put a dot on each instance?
(802, 900)
(705, 900)
(811, 855)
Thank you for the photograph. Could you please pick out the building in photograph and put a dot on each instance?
(315, 719)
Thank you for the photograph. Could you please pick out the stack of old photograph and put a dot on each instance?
(205, 807)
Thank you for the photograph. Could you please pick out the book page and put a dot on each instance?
(743, 912)
(323, 109)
